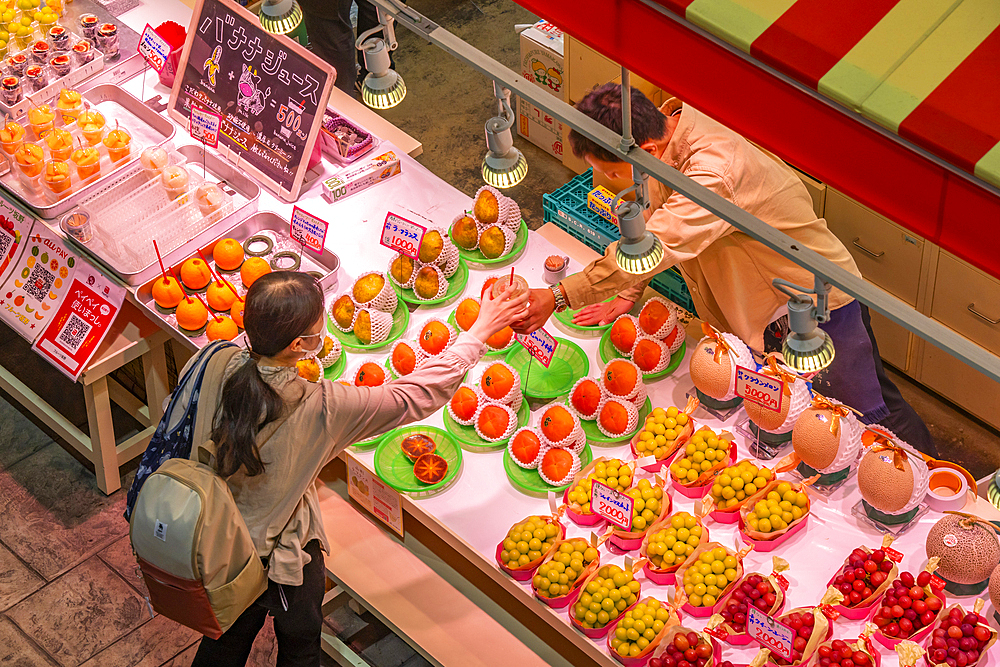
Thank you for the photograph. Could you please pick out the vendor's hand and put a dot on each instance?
(540, 307)
(602, 313)
(495, 314)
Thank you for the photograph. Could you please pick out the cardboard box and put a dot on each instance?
(361, 177)
(542, 64)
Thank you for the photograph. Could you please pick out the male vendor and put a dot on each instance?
(728, 272)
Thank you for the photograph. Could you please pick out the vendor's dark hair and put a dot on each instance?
(604, 104)
(280, 307)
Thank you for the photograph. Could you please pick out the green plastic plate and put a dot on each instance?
(529, 481)
(477, 258)
(456, 284)
(609, 352)
(569, 364)
(594, 434)
(469, 438)
(392, 466)
(489, 352)
(334, 372)
(565, 318)
(400, 320)
(369, 444)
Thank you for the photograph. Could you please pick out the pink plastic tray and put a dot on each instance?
(581, 519)
(771, 545)
(700, 491)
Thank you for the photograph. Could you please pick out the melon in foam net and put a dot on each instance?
(827, 435)
(714, 361)
(892, 476)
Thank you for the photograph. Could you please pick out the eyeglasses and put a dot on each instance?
(311, 335)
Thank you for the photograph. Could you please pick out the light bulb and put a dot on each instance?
(383, 88)
(503, 166)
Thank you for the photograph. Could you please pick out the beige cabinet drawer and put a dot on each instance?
(893, 341)
(887, 255)
(817, 191)
(960, 384)
(968, 301)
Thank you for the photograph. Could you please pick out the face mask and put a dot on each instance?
(318, 347)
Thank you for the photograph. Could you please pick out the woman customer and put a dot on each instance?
(274, 432)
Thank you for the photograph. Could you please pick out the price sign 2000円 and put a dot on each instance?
(612, 504)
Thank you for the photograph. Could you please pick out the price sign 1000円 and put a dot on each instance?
(402, 235)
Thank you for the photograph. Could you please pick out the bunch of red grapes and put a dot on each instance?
(862, 575)
(959, 640)
(906, 608)
(687, 650)
(755, 590)
(802, 624)
(839, 653)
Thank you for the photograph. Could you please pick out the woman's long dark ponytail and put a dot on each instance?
(280, 307)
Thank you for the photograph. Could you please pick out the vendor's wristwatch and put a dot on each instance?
(557, 292)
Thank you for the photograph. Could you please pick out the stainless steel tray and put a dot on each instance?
(271, 224)
(241, 190)
(147, 127)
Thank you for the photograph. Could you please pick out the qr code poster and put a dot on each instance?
(81, 322)
(37, 285)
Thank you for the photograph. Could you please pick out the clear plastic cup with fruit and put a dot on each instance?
(680, 644)
(613, 472)
(811, 626)
(839, 653)
(756, 589)
(650, 502)
(734, 487)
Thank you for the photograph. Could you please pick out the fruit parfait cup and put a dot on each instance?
(968, 632)
(11, 137)
(60, 143)
(42, 119)
(650, 502)
(755, 589)
(709, 573)
(668, 543)
(30, 159)
(87, 161)
(559, 578)
(811, 627)
(91, 124)
(664, 432)
(909, 608)
(734, 487)
(637, 634)
(119, 144)
(527, 544)
(607, 594)
(57, 180)
(694, 469)
(777, 512)
(876, 572)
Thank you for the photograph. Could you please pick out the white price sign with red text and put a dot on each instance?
(612, 504)
(203, 126)
(771, 634)
(154, 48)
(402, 235)
(757, 388)
(540, 344)
(309, 230)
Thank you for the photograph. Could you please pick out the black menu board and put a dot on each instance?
(269, 90)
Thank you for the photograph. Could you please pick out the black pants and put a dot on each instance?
(843, 383)
(297, 629)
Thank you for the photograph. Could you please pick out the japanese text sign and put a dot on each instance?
(771, 634)
(612, 504)
(540, 344)
(204, 126)
(153, 48)
(374, 495)
(758, 388)
(309, 230)
(402, 235)
(38, 283)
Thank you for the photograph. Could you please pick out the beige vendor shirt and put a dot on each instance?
(331, 417)
(728, 272)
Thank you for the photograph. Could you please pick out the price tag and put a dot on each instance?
(771, 634)
(718, 633)
(309, 230)
(402, 235)
(894, 556)
(540, 344)
(758, 388)
(374, 495)
(154, 48)
(203, 126)
(612, 504)
(780, 578)
(937, 583)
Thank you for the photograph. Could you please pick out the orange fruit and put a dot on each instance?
(557, 464)
(466, 313)
(191, 314)
(525, 447)
(500, 339)
(228, 254)
(487, 286)
(430, 468)
(557, 423)
(219, 296)
(614, 417)
(672, 336)
(404, 360)
(252, 269)
(493, 421)
(369, 375)
(416, 445)
(623, 334)
(434, 337)
(236, 312)
(653, 316)
(308, 369)
(620, 378)
(647, 354)
(221, 329)
(464, 403)
(586, 397)
(195, 273)
(167, 293)
(497, 381)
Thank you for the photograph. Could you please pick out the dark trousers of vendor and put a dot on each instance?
(298, 620)
(856, 376)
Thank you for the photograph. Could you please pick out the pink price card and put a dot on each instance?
(772, 635)
(612, 504)
(402, 235)
(758, 388)
(153, 48)
(309, 230)
(540, 344)
(203, 126)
